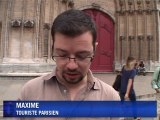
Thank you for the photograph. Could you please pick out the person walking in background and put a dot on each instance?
(155, 83)
(128, 73)
(74, 45)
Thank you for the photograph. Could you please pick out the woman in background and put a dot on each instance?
(128, 73)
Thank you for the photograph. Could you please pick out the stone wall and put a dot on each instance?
(25, 25)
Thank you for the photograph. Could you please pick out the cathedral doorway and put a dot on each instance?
(103, 62)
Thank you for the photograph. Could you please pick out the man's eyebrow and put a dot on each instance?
(79, 52)
(84, 52)
(60, 50)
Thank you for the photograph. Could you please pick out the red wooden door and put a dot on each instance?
(103, 61)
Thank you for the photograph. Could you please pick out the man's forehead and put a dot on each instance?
(73, 36)
(77, 52)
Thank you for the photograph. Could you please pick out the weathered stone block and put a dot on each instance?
(6, 68)
(20, 68)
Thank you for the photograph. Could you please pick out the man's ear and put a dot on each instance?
(96, 44)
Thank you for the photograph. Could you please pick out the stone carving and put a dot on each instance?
(46, 26)
(130, 2)
(122, 37)
(140, 37)
(139, 3)
(16, 23)
(121, 4)
(131, 10)
(130, 5)
(148, 1)
(28, 23)
(149, 37)
(64, 1)
(95, 5)
(131, 37)
(70, 2)
(148, 10)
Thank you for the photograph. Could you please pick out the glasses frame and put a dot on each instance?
(69, 58)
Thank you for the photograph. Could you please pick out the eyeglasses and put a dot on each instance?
(78, 59)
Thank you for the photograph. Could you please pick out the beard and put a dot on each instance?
(72, 77)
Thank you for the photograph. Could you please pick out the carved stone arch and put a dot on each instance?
(100, 8)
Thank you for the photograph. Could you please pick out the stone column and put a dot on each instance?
(37, 36)
(140, 39)
(5, 29)
(46, 40)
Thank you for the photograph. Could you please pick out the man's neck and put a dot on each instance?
(74, 89)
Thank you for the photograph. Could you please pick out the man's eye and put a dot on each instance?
(62, 55)
(81, 57)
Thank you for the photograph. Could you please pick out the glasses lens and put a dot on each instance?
(68, 59)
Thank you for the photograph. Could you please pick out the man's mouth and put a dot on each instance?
(71, 75)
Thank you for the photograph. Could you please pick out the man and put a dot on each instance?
(74, 44)
(156, 86)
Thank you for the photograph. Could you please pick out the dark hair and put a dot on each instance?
(73, 23)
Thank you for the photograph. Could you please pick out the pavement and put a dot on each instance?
(10, 89)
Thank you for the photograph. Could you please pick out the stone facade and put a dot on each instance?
(25, 39)
(137, 31)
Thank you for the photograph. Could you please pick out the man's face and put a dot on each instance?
(79, 49)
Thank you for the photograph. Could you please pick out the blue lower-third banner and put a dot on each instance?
(79, 109)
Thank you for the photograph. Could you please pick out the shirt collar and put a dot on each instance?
(92, 80)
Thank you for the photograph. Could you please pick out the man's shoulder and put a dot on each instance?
(105, 86)
(101, 83)
(33, 89)
(38, 80)
(107, 90)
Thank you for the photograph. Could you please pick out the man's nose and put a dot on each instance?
(72, 64)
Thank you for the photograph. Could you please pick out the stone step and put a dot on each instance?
(26, 68)
(19, 76)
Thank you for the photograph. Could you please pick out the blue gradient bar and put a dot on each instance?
(79, 109)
